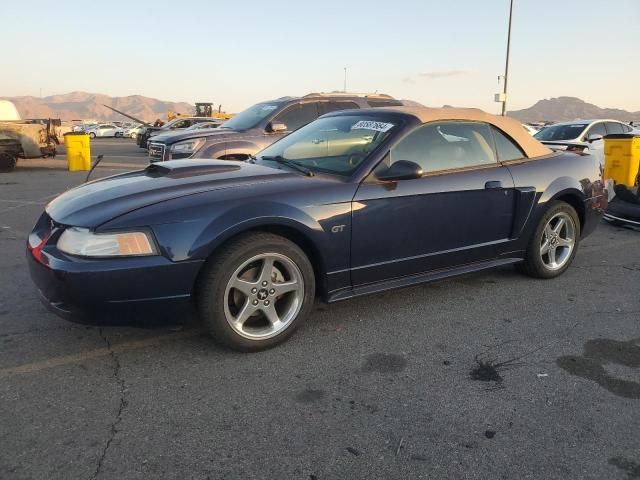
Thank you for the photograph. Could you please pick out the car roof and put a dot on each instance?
(512, 127)
(334, 96)
(586, 122)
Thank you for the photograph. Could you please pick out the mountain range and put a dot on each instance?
(570, 108)
(83, 105)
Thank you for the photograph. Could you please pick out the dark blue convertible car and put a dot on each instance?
(354, 203)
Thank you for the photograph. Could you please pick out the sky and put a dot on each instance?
(236, 53)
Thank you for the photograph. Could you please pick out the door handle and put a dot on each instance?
(493, 185)
(316, 141)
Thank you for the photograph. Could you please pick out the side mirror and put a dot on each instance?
(594, 137)
(277, 127)
(401, 170)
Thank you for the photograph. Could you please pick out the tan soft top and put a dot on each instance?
(510, 126)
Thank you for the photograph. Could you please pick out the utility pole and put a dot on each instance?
(506, 66)
(345, 80)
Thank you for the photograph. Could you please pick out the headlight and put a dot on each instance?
(85, 243)
(188, 146)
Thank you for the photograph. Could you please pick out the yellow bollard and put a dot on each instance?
(622, 158)
(78, 147)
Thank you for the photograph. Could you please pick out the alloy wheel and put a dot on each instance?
(558, 241)
(263, 296)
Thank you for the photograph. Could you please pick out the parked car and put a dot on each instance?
(206, 125)
(355, 203)
(259, 126)
(585, 133)
(133, 132)
(179, 123)
(105, 130)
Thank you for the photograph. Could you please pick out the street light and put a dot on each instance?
(502, 97)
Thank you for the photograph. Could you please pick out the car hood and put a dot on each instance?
(216, 133)
(92, 204)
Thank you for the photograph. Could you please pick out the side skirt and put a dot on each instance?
(411, 280)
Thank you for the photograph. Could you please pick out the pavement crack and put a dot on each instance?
(123, 403)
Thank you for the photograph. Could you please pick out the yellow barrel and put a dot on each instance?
(78, 147)
(622, 158)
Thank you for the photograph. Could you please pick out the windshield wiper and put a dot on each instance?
(289, 163)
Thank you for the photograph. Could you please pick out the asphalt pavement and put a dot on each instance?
(488, 376)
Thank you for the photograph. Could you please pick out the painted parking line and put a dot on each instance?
(97, 353)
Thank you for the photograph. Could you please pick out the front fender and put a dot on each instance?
(241, 147)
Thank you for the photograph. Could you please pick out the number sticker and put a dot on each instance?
(371, 125)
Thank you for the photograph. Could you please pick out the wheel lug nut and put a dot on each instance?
(255, 302)
(254, 290)
(264, 284)
(266, 303)
(272, 291)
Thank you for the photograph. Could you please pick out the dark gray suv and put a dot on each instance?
(259, 126)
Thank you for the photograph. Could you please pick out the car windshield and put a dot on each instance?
(250, 117)
(569, 131)
(334, 145)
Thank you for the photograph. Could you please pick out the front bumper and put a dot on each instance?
(74, 288)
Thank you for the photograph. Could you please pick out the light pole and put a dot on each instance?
(506, 66)
(345, 80)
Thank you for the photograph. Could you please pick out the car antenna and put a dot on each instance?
(98, 160)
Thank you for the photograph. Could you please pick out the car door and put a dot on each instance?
(596, 148)
(460, 211)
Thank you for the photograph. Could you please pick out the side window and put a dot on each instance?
(597, 129)
(627, 128)
(182, 124)
(614, 127)
(298, 115)
(446, 145)
(505, 147)
(326, 107)
(384, 103)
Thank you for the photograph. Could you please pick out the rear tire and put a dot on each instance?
(7, 162)
(255, 292)
(554, 243)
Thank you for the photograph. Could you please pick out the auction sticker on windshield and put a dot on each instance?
(371, 125)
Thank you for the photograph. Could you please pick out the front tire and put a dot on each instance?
(92, 135)
(554, 244)
(254, 293)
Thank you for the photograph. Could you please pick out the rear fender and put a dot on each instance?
(561, 187)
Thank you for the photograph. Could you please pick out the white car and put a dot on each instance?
(586, 133)
(133, 131)
(106, 130)
(530, 130)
